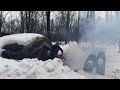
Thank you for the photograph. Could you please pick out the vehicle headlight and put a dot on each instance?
(59, 53)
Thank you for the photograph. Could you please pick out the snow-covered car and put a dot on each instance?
(28, 45)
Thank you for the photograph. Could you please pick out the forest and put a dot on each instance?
(56, 25)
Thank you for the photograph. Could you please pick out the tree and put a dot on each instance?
(42, 22)
(92, 17)
(48, 24)
(62, 24)
(31, 21)
(22, 16)
(27, 13)
(117, 16)
(106, 18)
(78, 29)
(2, 19)
(67, 28)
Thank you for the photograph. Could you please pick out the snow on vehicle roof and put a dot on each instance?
(23, 39)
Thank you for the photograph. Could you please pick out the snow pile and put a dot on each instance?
(24, 38)
(35, 69)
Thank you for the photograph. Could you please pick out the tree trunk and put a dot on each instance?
(88, 14)
(48, 25)
(117, 16)
(92, 17)
(92, 27)
(67, 28)
(22, 22)
(31, 21)
(29, 12)
(78, 29)
(106, 17)
(28, 21)
(1, 20)
(26, 17)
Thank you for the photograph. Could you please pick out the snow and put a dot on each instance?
(69, 68)
(76, 54)
(23, 38)
(35, 69)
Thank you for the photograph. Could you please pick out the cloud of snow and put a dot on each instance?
(76, 55)
(105, 32)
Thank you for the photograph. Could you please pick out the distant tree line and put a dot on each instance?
(63, 26)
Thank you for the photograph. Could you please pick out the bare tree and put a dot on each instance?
(117, 16)
(42, 24)
(48, 24)
(78, 29)
(92, 17)
(67, 28)
(88, 15)
(107, 19)
(2, 19)
(28, 21)
(22, 15)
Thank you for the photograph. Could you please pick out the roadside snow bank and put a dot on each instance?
(35, 69)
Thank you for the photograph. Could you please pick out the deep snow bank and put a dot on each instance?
(35, 69)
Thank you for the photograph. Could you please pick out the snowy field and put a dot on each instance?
(70, 68)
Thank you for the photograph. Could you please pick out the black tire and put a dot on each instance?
(100, 64)
(91, 59)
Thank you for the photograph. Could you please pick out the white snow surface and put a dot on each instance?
(70, 68)
(35, 69)
(23, 38)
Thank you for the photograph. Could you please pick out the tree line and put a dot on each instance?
(56, 25)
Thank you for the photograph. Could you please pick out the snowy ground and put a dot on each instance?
(35, 69)
(77, 54)
(70, 68)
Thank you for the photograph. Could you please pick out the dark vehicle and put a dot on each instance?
(39, 47)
